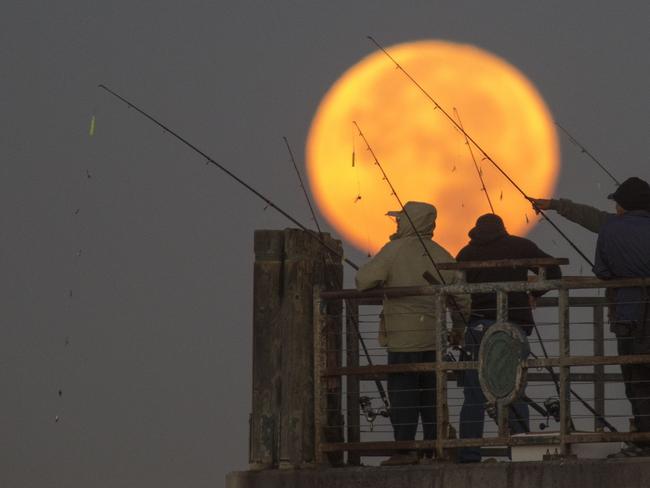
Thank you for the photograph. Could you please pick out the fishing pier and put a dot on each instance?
(317, 397)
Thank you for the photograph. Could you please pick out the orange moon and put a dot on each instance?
(424, 156)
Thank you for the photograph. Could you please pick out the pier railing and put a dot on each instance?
(339, 372)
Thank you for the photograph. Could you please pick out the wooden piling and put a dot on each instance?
(288, 265)
(267, 347)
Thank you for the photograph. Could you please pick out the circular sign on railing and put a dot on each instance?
(502, 363)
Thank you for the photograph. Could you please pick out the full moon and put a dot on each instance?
(424, 155)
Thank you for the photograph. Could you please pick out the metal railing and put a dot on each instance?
(338, 429)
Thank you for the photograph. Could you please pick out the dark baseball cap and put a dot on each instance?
(632, 194)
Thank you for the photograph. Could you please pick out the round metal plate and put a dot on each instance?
(502, 371)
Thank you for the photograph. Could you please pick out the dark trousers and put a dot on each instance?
(472, 413)
(412, 396)
(636, 376)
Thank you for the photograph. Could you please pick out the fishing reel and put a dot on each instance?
(552, 407)
(370, 412)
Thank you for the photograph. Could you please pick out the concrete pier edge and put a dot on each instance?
(597, 473)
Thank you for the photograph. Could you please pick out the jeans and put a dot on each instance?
(472, 414)
(412, 396)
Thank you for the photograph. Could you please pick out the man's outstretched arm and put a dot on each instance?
(586, 216)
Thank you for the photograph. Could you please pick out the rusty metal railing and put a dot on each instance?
(329, 370)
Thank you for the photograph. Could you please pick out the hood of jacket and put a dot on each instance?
(488, 228)
(423, 215)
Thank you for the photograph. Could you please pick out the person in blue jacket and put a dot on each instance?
(623, 251)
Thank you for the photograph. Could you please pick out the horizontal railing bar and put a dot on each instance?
(508, 286)
(530, 378)
(589, 360)
(485, 452)
(504, 263)
(523, 440)
(542, 302)
(464, 365)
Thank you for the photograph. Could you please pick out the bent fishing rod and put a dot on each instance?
(354, 320)
(485, 154)
(232, 175)
(584, 150)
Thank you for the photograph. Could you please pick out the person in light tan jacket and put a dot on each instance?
(409, 322)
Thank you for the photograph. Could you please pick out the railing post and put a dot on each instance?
(542, 273)
(352, 381)
(320, 363)
(565, 352)
(502, 317)
(440, 341)
(502, 306)
(599, 370)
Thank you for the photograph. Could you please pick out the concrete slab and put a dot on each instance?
(616, 473)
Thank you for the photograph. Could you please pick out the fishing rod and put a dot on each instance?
(485, 154)
(232, 175)
(478, 170)
(394, 193)
(584, 150)
(259, 195)
(426, 275)
(370, 412)
(304, 190)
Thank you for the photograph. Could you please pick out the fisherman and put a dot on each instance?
(623, 251)
(489, 240)
(410, 321)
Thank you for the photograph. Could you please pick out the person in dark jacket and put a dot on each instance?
(490, 240)
(622, 251)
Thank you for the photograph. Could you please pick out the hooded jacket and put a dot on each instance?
(410, 321)
(490, 240)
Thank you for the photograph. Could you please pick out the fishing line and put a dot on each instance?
(584, 150)
(358, 198)
(476, 166)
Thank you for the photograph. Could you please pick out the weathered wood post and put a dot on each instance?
(288, 265)
(267, 348)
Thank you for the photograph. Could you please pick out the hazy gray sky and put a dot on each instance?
(152, 350)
